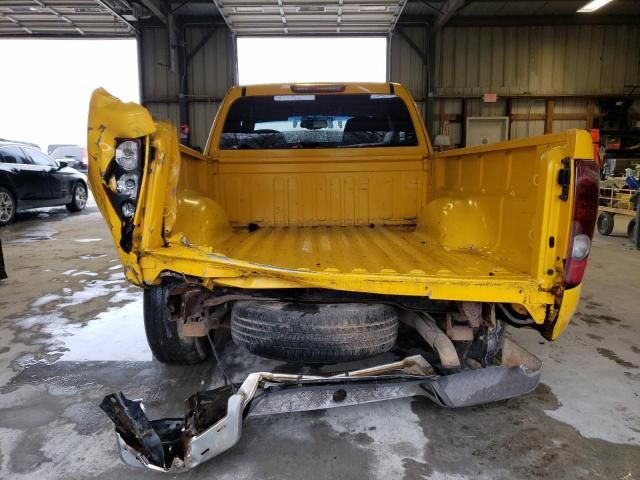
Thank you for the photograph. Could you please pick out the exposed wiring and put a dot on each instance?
(227, 380)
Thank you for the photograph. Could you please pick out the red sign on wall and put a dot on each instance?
(490, 97)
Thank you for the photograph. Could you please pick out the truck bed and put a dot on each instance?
(359, 249)
(491, 223)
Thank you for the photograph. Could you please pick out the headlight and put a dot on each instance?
(123, 179)
(128, 184)
(128, 209)
(127, 154)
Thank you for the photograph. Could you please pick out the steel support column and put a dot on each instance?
(183, 77)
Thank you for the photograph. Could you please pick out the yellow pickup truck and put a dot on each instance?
(316, 223)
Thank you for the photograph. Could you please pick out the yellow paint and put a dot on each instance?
(110, 119)
(570, 301)
(466, 225)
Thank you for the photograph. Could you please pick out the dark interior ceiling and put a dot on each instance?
(121, 18)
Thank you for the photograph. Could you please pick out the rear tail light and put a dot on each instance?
(123, 178)
(585, 211)
(85, 158)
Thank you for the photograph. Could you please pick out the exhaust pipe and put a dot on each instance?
(426, 326)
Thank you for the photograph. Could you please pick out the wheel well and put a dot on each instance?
(79, 180)
(13, 192)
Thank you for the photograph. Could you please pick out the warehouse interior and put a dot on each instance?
(480, 72)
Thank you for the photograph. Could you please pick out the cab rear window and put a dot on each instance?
(317, 121)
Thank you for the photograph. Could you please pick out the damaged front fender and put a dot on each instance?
(111, 120)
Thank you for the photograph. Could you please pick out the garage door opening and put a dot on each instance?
(47, 83)
(291, 59)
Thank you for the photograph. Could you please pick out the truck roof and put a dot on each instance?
(315, 88)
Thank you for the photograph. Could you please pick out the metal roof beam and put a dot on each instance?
(203, 41)
(157, 8)
(117, 15)
(448, 9)
(540, 20)
(413, 45)
(530, 20)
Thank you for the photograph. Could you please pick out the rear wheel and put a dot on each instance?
(166, 344)
(79, 199)
(605, 223)
(7, 207)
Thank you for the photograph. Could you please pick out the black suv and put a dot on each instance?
(30, 179)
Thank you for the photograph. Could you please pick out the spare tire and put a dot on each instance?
(314, 333)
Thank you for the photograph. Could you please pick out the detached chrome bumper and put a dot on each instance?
(214, 418)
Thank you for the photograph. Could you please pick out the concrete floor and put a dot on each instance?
(71, 331)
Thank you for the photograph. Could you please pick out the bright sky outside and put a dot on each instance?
(277, 60)
(46, 85)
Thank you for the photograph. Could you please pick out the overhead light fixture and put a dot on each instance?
(593, 6)
(310, 9)
(22, 9)
(373, 8)
(248, 10)
(90, 10)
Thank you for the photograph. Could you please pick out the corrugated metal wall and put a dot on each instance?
(538, 60)
(407, 66)
(210, 73)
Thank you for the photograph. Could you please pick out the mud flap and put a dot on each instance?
(213, 419)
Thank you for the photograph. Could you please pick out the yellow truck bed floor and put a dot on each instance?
(383, 250)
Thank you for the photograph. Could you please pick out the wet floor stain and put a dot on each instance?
(597, 319)
(635, 349)
(613, 356)
(115, 334)
(35, 234)
(594, 336)
(414, 469)
(359, 438)
(517, 439)
(633, 376)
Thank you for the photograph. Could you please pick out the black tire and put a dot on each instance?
(79, 198)
(162, 334)
(630, 228)
(314, 333)
(8, 206)
(605, 223)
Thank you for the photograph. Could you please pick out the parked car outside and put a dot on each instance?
(30, 179)
(74, 155)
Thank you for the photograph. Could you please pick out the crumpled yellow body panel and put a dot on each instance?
(110, 119)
